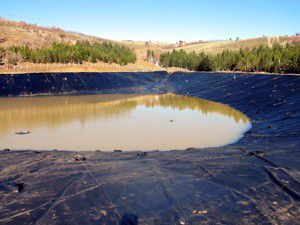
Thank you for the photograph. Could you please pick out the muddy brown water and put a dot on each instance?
(109, 122)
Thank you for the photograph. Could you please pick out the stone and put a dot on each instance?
(22, 132)
(80, 158)
(19, 186)
(191, 148)
(142, 154)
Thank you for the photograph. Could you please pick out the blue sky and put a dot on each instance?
(161, 20)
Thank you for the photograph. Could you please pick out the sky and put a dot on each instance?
(161, 20)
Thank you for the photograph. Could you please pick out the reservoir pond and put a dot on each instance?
(126, 122)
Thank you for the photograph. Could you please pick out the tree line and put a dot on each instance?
(2, 51)
(275, 59)
(67, 53)
(150, 55)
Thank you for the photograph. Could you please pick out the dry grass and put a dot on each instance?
(139, 66)
(21, 33)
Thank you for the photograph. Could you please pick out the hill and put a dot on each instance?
(22, 33)
(13, 33)
(215, 47)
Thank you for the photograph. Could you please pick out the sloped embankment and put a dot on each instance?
(75, 83)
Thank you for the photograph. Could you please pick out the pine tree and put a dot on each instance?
(278, 58)
(2, 52)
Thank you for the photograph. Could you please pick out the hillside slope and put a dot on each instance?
(22, 33)
(215, 47)
(14, 33)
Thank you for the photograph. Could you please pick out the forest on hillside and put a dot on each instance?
(275, 59)
(67, 53)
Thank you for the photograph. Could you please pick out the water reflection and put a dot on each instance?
(99, 113)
